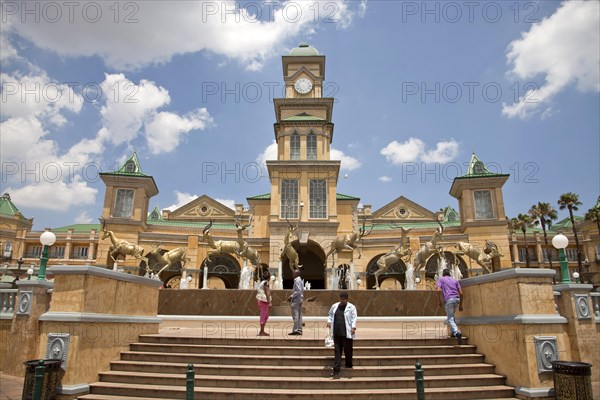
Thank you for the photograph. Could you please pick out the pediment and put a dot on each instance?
(202, 208)
(305, 71)
(403, 209)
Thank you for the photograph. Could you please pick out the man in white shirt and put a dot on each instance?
(296, 300)
(342, 316)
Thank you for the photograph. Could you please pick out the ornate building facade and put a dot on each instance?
(303, 196)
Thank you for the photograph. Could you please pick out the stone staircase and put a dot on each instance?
(297, 368)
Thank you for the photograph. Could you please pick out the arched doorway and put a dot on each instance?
(224, 267)
(451, 259)
(396, 271)
(312, 259)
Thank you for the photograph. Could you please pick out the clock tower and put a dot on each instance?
(303, 178)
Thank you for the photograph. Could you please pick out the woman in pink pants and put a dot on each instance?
(264, 302)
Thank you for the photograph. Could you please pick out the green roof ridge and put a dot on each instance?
(266, 196)
(341, 196)
(338, 196)
(303, 117)
(77, 228)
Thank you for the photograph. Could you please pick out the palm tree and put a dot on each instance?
(544, 214)
(571, 202)
(522, 222)
(593, 214)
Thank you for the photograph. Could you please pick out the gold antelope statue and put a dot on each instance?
(348, 242)
(288, 249)
(170, 257)
(219, 246)
(122, 247)
(246, 252)
(483, 258)
(428, 249)
(400, 252)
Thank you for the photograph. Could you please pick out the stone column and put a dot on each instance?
(575, 304)
(68, 245)
(511, 315)
(33, 300)
(95, 314)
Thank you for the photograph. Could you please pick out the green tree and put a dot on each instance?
(571, 202)
(543, 214)
(593, 214)
(522, 222)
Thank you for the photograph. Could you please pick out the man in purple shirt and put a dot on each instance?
(451, 295)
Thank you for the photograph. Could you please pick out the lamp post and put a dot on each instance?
(47, 239)
(576, 276)
(560, 242)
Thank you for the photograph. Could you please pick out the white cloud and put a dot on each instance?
(185, 27)
(166, 129)
(384, 179)
(128, 105)
(414, 149)
(362, 8)
(59, 196)
(37, 96)
(408, 151)
(564, 47)
(83, 218)
(349, 163)
(227, 202)
(270, 153)
(443, 153)
(182, 199)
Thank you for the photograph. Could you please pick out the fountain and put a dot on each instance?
(245, 277)
(410, 283)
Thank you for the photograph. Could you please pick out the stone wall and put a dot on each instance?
(372, 303)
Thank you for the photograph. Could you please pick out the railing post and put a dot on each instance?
(189, 382)
(420, 381)
(39, 380)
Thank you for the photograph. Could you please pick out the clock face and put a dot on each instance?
(303, 85)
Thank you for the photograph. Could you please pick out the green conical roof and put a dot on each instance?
(155, 214)
(477, 167)
(7, 207)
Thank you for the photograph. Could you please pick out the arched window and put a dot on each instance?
(295, 146)
(311, 146)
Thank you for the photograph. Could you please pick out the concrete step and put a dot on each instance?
(307, 383)
(268, 349)
(122, 390)
(299, 360)
(304, 371)
(292, 341)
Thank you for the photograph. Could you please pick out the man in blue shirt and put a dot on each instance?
(296, 300)
(451, 295)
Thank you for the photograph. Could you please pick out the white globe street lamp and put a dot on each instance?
(560, 242)
(47, 239)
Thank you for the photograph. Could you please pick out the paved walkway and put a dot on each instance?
(11, 387)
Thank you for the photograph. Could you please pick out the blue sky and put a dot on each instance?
(419, 86)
